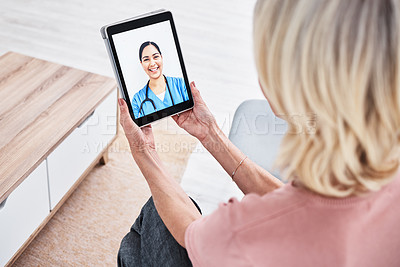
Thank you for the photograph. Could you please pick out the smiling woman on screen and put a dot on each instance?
(160, 91)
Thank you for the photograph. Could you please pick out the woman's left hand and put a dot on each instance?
(140, 139)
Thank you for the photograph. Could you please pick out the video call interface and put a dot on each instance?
(151, 69)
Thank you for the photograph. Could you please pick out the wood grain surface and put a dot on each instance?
(41, 103)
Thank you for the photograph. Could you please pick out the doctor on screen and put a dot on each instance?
(160, 91)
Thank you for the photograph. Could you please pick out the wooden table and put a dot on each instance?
(41, 104)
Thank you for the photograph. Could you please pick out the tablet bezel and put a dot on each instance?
(133, 24)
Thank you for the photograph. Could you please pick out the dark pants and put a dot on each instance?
(149, 243)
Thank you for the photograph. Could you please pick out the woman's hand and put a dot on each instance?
(140, 139)
(199, 119)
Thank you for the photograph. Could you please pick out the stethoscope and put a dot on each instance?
(151, 100)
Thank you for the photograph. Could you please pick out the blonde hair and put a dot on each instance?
(331, 69)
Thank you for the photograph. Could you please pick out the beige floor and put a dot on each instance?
(88, 228)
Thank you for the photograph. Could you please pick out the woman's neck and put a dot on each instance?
(157, 85)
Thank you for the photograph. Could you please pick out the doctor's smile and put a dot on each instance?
(153, 69)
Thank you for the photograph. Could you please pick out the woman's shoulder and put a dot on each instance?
(291, 199)
(254, 208)
(175, 79)
(179, 84)
(139, 94)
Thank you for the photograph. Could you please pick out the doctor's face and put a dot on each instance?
(152, 62)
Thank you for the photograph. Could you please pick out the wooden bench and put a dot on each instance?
(56, 123)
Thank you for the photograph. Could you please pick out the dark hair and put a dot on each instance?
(147, 43)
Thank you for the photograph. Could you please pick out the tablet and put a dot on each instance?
(148, 66)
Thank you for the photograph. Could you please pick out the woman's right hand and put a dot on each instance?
(197, 121)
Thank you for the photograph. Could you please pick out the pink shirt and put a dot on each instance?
(293, 227)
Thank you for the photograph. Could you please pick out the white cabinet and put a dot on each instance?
(24, 210)
(75, 154)
(45, 132)
(31, 202)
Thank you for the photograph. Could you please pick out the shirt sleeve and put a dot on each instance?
(210, 240)
(135, 106)
(183, 89)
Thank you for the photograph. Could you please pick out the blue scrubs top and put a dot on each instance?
(178, 92)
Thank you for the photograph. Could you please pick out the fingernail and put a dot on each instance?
(120, 101)
(194, 84)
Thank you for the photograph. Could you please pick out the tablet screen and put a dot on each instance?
(151, 70)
